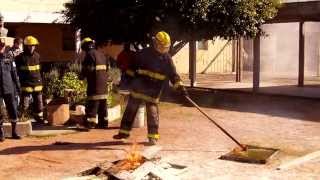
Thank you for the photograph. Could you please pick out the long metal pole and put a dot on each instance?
(215, 123)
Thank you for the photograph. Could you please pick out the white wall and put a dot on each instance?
(280, 50)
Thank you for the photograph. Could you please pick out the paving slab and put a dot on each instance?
(187, 138)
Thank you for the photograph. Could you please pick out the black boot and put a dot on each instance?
(102, 124)
(121, 136)
(14, 131)
(2, 137)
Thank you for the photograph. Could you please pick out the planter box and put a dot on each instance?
(58, 112)
(23, 128)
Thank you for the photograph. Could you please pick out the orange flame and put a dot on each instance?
(133, 160)
(134, 157)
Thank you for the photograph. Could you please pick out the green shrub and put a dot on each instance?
(56, 84)
(71, 80)
(52, 84)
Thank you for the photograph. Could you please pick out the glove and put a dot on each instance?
(183, 91)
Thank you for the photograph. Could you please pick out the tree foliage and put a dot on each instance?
(137, 20)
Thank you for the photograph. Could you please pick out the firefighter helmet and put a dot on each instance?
(162, 42)
(163, 39)
(86, 40)
(30, 41)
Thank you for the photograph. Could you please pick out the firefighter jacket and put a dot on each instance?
(151, 71)
(9, 81)
(94, 69)
(28, 66)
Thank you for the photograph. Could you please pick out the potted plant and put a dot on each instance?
(56, 88)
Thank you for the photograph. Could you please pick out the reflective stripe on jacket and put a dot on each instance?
(28, 66)
(94, 69)
(152, 71)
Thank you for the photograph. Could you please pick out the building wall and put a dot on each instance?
(280, 50)
(50, 37)
(222, 64)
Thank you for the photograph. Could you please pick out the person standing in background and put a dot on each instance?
(9, 88)
(16, 49)
(3, 30)
(28, 66)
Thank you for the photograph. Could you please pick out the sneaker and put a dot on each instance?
(121, 136)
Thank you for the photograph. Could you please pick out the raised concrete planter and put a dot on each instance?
(114, 113)
(140, 116)
(23, 128)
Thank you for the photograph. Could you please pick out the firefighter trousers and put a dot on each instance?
(130, 114)
(11, 107)
(34, 98)
(94, 107)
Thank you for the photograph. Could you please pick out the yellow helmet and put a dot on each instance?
(162, 38)
(85, 40)
(30, 41)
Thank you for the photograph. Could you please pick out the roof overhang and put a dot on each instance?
(33, 17)
(297, 12)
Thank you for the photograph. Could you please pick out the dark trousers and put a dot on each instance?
(37, 104)
(94, 107)
(11, 107)
(130, 114)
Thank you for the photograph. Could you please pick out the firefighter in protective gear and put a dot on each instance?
(153, 67)
(9, 88)
(28, 66)
(94, 69)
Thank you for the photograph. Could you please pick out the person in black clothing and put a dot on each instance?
(28, 66)
(152, 68)
(9, 88)
(94, 70)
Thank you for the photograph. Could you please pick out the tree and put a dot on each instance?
(136, 20)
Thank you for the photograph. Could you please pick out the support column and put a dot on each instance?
(239, 60)
(192, 62)
(256, 64)
(234, 55)
(301, 55)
